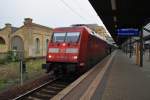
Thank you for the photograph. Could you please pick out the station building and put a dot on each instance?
(31, 39)
(96, 28)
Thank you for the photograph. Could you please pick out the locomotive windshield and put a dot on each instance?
(59, 37)
(72, 37)
(66, 37)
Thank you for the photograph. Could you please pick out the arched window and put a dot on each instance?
(47, 43)
(2, 44)
(2, 41)
(37, 45)
(17, 43)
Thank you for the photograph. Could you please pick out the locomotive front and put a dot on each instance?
(64, 47)
(63, 51)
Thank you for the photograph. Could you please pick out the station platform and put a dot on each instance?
(117, 77)
(126, 80)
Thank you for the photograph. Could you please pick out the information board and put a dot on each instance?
(128, 32)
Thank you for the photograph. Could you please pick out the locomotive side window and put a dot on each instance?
(59, 37)
(72, 37)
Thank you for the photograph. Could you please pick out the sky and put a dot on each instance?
(51, 13)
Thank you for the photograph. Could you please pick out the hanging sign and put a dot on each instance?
(128, 32)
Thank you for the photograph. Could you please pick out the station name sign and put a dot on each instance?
(128, 32)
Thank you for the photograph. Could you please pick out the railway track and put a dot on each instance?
(45, 91)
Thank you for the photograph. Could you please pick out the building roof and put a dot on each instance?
(38, 25)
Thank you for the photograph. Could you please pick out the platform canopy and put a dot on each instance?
(117, 14)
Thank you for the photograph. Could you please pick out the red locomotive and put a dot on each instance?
(74, 49)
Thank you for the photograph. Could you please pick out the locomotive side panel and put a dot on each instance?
(96, 50)
(83, 51)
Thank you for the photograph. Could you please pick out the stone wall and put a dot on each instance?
(5, 36)
(28, 34)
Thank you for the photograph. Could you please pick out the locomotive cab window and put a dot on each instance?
(72, 37)
(59, 37)
(66, 37)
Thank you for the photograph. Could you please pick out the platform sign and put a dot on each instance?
(128, 32)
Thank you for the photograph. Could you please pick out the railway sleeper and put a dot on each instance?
(59, 85)
(44, 94)
(32, 98)
(53, 92)
(41, 96)
(53, 87)
(48, 91)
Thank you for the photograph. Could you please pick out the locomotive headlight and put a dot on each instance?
(49, 56)
(64, 44)
(75, 57)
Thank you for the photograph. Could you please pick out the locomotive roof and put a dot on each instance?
(70, 28)
(80, 28)
(98, 36)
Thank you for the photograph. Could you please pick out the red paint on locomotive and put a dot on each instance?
(75, 45)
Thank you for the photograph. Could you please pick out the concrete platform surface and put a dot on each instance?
(126, 80)
(117, 77)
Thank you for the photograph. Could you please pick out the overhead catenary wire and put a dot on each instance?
(74, 11)
(83, 10)
(92, 15)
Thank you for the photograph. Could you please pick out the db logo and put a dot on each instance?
(62, 50)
